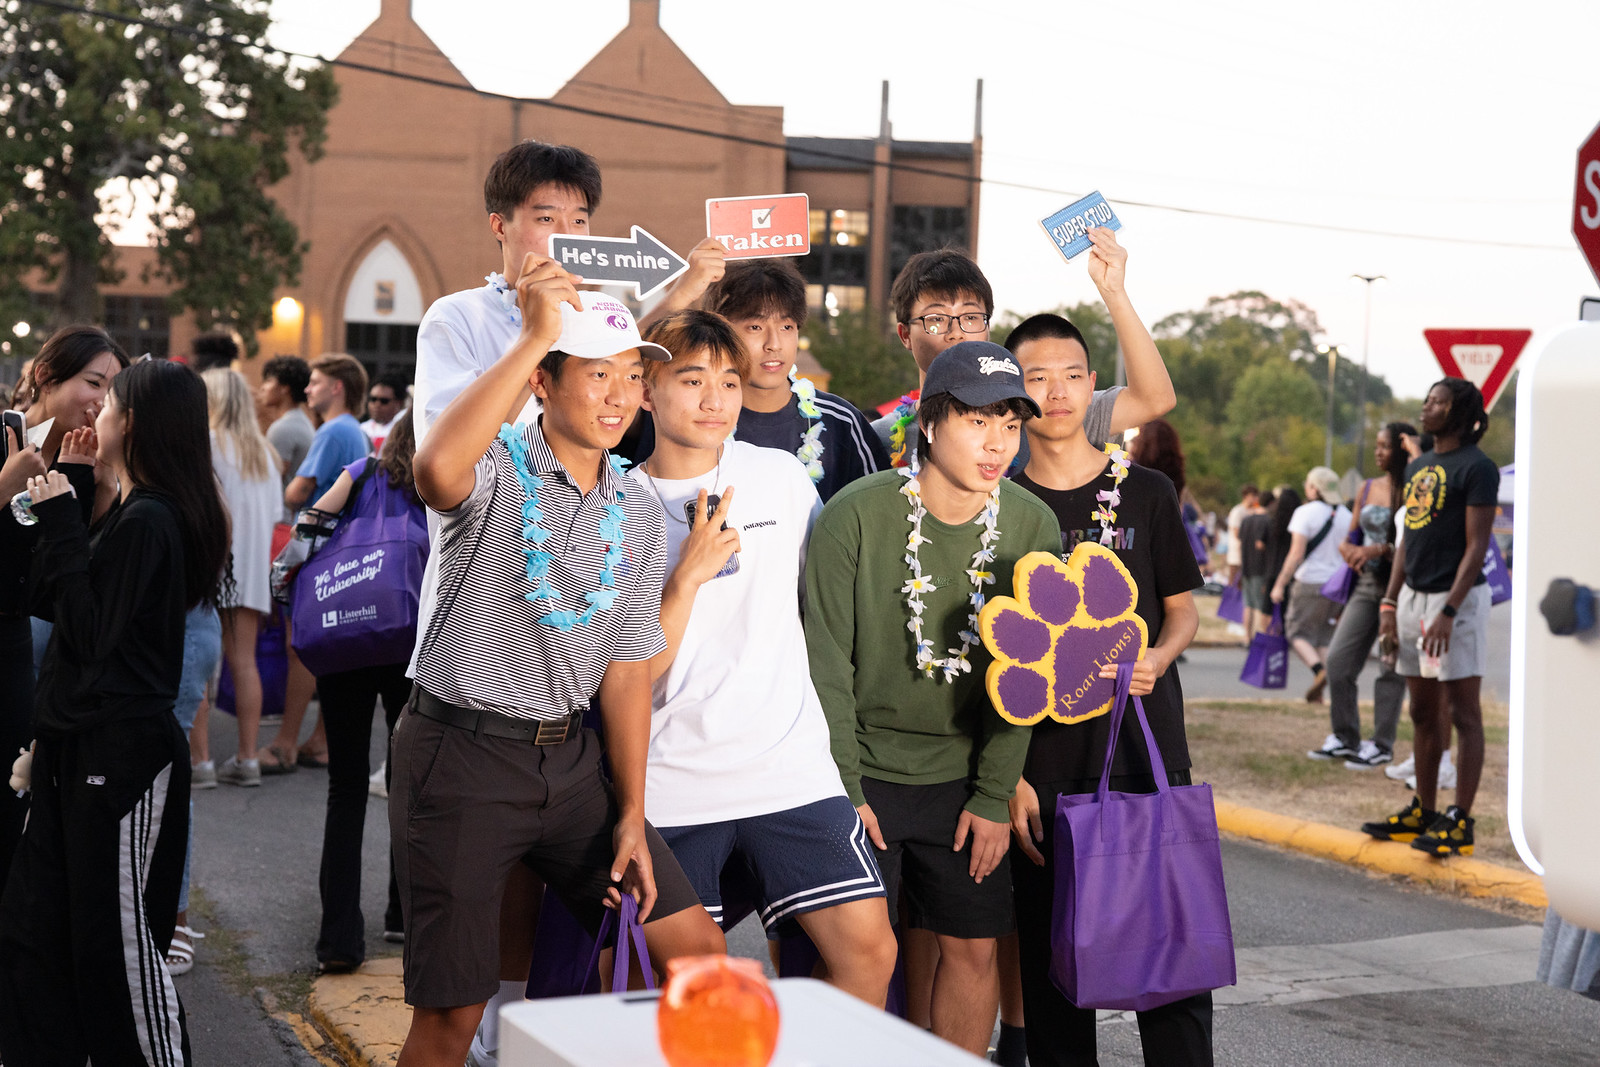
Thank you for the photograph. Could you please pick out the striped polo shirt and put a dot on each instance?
(484, 648)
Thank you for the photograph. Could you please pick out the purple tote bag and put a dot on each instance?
(1266, 665)
(561, 943)
(1494, 569)
(355, 601)
(1140, 914)
(1231, 609)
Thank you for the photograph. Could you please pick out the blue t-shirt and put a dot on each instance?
(339, 442)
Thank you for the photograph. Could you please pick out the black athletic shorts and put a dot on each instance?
(463, 809)
(918, 823)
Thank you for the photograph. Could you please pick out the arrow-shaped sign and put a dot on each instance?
(640, 260)
(1483, 357)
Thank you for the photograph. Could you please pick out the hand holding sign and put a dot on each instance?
(1108, 262)
(542, 287)
(1068, 229)
(1050, 642)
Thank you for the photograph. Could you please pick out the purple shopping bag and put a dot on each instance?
(1494, 569)
(1266, 665)
(1231, 608)
(562, 944)
(272, 664)
(1339, 587)
(1140, 913)
(355, 601)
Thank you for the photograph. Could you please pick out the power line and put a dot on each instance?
(783, 146)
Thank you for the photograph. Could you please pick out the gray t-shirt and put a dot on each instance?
(1096, 423)
(291, 436)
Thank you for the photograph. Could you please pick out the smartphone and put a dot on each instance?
(691, 508)
(13, 420)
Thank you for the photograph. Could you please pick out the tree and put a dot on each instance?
(184, 100)
(866, 367)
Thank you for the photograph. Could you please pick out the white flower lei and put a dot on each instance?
(1106, 513)
(955, 663)
(810, 450)
(508, 297)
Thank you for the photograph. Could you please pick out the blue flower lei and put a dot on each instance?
(533, 531)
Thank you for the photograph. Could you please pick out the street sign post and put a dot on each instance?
(1485, 358)
(1068, 229)
(1586, 201)
(638, 260)
(754, 227)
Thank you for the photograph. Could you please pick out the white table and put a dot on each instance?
(820, 1027)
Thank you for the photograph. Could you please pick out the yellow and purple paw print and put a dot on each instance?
(1049, 642)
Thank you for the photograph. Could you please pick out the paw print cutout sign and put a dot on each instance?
(1049, 641)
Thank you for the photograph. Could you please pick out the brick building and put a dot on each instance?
(393, 211)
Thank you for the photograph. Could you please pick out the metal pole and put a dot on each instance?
(1327, 447)
(1361, 387)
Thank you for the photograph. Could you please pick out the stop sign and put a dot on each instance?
(1586, 202)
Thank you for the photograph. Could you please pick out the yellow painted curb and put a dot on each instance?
(365, 1013)
(1460, 874)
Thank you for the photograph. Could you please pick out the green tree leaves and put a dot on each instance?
(185, 100)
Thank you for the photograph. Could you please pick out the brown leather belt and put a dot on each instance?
(494, 724)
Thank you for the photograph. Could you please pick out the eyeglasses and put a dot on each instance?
(382, 400)
(972, 322)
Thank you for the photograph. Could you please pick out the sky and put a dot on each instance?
(1458, 121)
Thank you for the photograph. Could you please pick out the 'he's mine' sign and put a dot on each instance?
(1069, 228)
(639, 260)
(753, 227)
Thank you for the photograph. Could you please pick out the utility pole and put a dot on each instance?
(1361, 387)
(1332, 352)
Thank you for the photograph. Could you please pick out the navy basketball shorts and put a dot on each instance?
(803, 859)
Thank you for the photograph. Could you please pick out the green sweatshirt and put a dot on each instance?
(887, 719)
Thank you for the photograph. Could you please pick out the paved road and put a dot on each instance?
(1213, 673)
(1336, 967)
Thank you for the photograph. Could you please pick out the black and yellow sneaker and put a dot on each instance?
(1450, 833)
(1407, 824)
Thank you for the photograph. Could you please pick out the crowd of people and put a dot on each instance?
(690, 629)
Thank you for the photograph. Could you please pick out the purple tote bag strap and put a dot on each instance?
(1119, 701)
(630, 945)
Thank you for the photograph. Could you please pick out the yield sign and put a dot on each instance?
(1483, 357)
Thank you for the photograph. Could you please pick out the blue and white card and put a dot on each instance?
(1069, 228)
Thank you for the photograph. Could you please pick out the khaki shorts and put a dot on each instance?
(1468, 653)
(1310, 614)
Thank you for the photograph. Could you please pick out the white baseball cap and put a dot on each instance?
(603, 328)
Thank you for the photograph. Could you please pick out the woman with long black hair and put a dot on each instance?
(88, 910)
(1370, 555)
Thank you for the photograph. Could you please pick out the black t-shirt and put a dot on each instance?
(1440, 487)
(850, 447)
(1253, 544)
(1150, 540)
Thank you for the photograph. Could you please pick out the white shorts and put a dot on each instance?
(1468, 653)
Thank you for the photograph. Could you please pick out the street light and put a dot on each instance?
(22, 329)
(1361, 386)
(1332, 352)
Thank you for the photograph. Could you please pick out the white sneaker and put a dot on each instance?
(478, 1056)
(1401, 771)
(1447, 775)
(202, 775)
(1368, 756)
(1332, 748)
(375, 786)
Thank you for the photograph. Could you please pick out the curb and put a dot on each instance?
(1458, 874)
(364, 1013)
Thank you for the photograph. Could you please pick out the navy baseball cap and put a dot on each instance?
(977, 373)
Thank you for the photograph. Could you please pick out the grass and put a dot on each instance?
(1254, 753)
(224, 950)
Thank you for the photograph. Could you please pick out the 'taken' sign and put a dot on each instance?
(1069, 228)
(754, 227)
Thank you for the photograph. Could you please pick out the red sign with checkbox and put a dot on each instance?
(754, 227)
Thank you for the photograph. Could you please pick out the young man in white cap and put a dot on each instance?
(929, 764)
(1315, 529)
(740, 764)
(545, 545)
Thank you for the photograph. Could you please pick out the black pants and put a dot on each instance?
(16, 725)
(348, 699)
(1060, 1034)
(87, 914)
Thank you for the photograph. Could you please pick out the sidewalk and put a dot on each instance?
(366, 1015)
